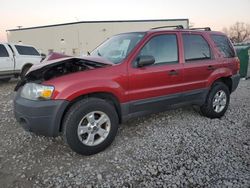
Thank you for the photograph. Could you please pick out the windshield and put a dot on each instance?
(117, 48)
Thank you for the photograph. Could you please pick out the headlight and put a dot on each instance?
(34, 91)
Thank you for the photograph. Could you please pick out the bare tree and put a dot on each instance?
(239, 32)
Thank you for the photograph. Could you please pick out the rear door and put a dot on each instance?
(6, 60)
(158, 84)
(199, 63)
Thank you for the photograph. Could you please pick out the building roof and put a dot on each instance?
(108, 21)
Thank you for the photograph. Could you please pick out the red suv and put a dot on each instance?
(129, 75)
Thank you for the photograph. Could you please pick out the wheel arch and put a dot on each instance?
(226, 80)
(26, 65)
(221, 75)
(109, 97)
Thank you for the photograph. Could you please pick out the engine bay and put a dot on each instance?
(59, 68)
(65, 68)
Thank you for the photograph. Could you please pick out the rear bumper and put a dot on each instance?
(235, 81)
(40, 117)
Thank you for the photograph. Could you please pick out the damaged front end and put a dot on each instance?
(59, 67)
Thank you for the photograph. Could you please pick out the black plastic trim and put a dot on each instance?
(157, 104)
(235, 81)
(40, 117)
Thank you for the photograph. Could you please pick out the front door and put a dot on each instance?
(156, 85)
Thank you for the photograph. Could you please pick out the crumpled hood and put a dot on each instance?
(54, 62)
(50, 69)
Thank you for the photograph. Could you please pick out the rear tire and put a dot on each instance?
(217, 101)
(90, 126)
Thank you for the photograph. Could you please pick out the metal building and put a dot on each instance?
(78, 38)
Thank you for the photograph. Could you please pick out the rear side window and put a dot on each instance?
(26, 50)
(224, 45)
(163, 48)
(3, 51)
(195, 48)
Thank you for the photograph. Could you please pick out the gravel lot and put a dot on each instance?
(177, 148)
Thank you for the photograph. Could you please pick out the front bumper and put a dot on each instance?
(235, 81)
(40, 117)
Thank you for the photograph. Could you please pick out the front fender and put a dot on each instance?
(79, 89)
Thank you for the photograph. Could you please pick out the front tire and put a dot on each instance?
(217, 101)
(90, 126)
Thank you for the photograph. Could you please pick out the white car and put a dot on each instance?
(16, 59)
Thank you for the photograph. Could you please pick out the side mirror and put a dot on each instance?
(145, 60)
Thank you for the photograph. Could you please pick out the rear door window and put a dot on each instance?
(195, 47)
(27, 50)
(3, 51)
(224, 46)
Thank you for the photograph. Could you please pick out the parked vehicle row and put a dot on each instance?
(129, 75)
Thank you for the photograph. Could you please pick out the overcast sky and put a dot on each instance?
(214, 13)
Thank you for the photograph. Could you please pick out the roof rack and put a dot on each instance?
(202, 28)
(169, 26)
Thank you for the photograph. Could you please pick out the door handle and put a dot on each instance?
(210, 67)
(173, 72)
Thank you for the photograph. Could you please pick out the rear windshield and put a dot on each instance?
(27, 50)
(224, 46)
